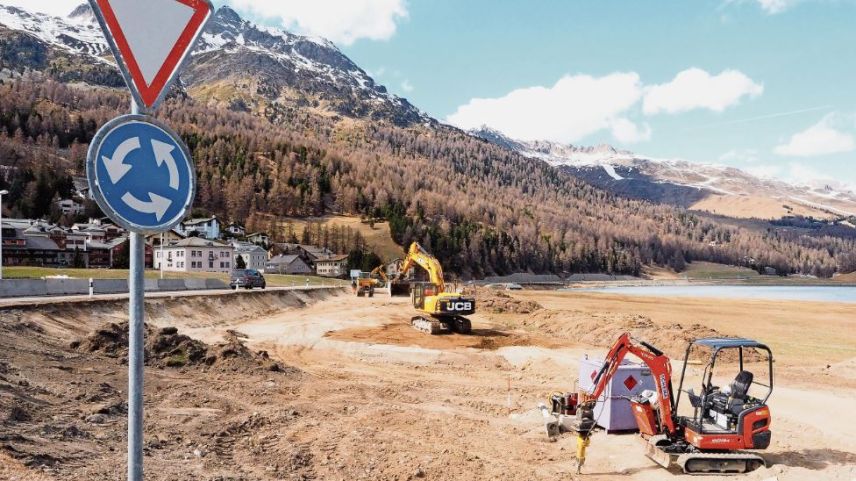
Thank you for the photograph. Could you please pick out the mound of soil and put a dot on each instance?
(845, 369)
(166, 348)
(602, 331)
(498, 302)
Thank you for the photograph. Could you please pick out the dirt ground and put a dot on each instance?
(357, 394)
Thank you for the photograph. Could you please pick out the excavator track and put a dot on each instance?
(431, 327)
(461, 325)
(720, 463)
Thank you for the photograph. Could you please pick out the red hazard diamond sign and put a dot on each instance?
(630, 383)
(151, 40)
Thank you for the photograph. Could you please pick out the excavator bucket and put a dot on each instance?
(399, 289)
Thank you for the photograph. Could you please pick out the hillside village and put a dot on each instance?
(197, 245)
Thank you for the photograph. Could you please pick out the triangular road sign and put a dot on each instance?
(151, 39)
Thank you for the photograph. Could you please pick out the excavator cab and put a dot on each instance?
(734, 416)
(420, 291)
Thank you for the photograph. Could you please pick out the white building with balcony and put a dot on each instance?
(70, 207)
(195, 255)
(208, 227)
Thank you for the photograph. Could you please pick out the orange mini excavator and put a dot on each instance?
(725, 421)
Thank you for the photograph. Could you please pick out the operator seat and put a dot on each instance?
(719, 401)
(732, 404)
(739, 392)
(740, 385)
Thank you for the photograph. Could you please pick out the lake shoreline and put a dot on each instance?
(838, 293)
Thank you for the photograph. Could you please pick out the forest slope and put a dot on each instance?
(481, 208)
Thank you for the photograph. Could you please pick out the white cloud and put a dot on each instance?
(629, 132)
(823, 138)
(376, 74)
(696, 89)
(740, 156)
(801, 174)
(407, 86)
(798, 173)
(770, 7)
(342, 21)
(59, 8)
(773, 7)
(767, 171)
(575, 107)
(581, 105)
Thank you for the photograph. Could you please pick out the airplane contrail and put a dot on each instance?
(764, 117)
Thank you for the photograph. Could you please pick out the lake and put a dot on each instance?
(792, 293)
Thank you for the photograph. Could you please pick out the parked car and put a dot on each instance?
(247, 279)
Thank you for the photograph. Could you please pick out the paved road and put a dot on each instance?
(30, 301)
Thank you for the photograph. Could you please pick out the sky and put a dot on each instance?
(768, 86)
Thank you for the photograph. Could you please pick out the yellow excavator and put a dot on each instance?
(367, 282)
(440, 310)
(379, 276)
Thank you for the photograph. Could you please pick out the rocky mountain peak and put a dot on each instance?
(82, 12)
(237, 64)
(496, 137)
(226, 14)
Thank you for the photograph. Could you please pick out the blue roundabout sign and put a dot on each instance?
(141, 174)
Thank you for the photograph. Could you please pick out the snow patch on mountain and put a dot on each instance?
(231, 46)
(79, 33)
(610, 171)
(718, 179)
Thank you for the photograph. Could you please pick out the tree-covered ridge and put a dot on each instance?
(481, 209)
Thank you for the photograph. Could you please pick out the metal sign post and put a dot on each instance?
(140, 172)
(136, 356)
(136, 348)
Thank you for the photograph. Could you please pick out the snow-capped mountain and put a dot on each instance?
(79, 33)
(715, 188)
(237, 63)
(271, 72)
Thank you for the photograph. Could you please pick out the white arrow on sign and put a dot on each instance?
(157, 205)
(163, 153)
(116, 167)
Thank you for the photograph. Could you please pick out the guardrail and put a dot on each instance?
(81, 287)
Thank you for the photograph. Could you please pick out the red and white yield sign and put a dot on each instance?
(151, 39)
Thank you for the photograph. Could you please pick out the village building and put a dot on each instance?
(207, 228)
(287, 264)
(336, 266)
(70, 207)
(259, 239)
(235, 230)
(20, 249)
(254, 256)
(309, 254)
(195, 255)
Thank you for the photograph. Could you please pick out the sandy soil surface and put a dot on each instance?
(357, 394)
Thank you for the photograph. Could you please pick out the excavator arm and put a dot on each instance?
(660, 366)
(418, 256)
(380, 271)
